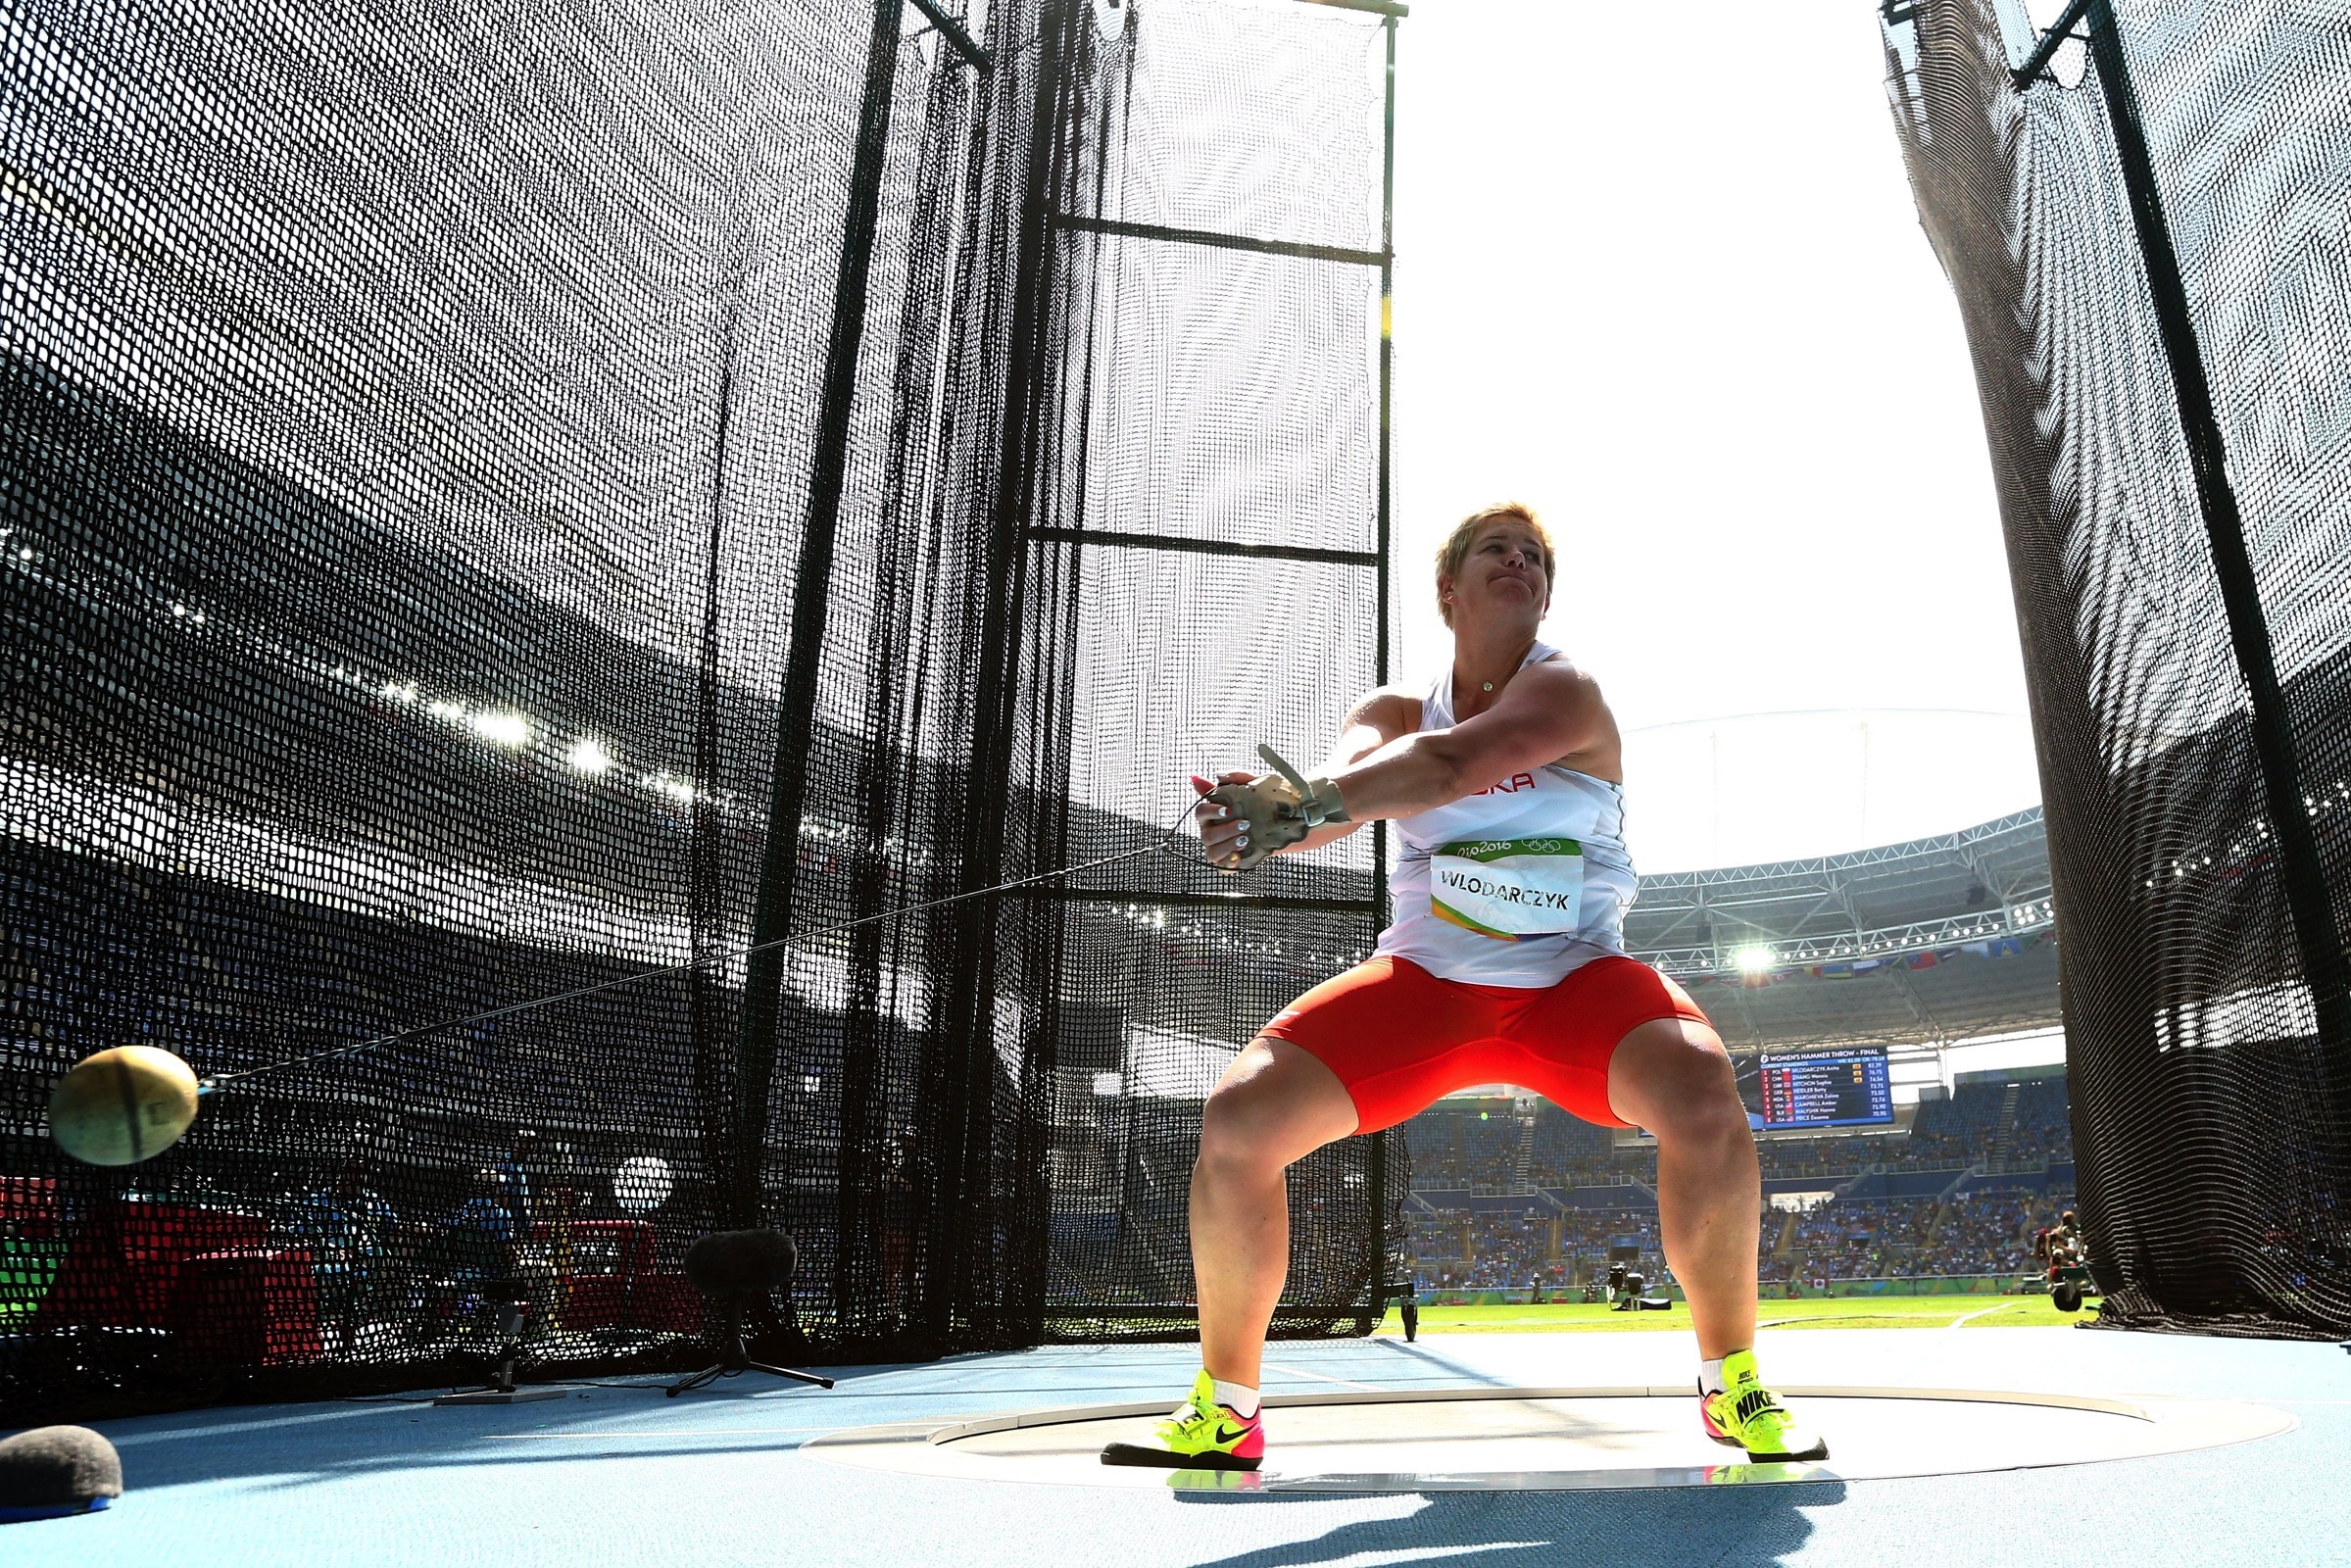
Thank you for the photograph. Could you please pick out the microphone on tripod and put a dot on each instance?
(737, 1269)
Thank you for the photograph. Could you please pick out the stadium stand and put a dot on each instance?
(1939, 939)
(2044, 1130)
(1555, 1248)
(1913, 1238)
(1955, 1132)
(1469, 1144)
(1943, 938)
(1567, 1151)
(1960, 1195)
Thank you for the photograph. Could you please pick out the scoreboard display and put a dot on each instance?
(1847, 1087)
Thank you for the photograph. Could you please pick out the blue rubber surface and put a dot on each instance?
(620, 1478)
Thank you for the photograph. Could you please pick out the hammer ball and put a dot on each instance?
(123, 1106)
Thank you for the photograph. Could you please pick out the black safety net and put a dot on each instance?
(499, 500)
(1211, 567)
(2144, 224)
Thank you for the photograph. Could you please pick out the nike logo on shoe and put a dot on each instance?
(1231, 1434)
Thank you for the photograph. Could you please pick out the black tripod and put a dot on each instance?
(736, 1269)
(1406, 1296)
(513, 1314)
(734, 1360)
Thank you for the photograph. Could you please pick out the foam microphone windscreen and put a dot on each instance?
(56, 1470)
(741, 1262)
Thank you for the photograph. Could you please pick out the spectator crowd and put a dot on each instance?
(1548, 1241)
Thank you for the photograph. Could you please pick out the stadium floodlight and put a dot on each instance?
(501, 728)
(589, 756)
(1754, 960)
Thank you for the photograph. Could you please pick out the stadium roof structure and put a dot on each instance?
(1935, 940)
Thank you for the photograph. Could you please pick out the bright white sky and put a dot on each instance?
(1665, 282)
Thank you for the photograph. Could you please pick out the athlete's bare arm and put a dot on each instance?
(1548, 712)
(1381, 715)
(1386, 765)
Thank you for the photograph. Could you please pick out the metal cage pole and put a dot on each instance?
(1026, 526)
(965, 1089)
(755, 1043)
(1375, 1169)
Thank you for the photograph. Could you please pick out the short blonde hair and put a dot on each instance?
(1455, 549)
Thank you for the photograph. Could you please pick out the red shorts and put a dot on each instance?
(1400, 1038)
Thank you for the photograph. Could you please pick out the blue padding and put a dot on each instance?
(51, 1510)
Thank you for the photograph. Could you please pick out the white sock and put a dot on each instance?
(1710, 1377)
(1241, 1400)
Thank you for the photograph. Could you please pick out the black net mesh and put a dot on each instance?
(1217, 346)
(2174, 489)
(500, 499)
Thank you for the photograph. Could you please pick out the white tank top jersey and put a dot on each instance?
(1522, 883)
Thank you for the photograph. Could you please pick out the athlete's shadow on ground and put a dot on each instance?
(1663, 1528)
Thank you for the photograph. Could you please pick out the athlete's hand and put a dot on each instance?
(1261, 814)
(1223, 836)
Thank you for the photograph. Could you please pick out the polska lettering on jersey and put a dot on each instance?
(1512, 785)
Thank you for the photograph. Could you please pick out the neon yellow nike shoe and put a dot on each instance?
(1199, 1435)
(1747, 1415)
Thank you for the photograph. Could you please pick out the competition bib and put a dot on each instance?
(1509, 887)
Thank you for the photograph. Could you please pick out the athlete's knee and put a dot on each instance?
(1705, 1104)
(1681, 1088)
(1236, 1129)
(1716, 1117)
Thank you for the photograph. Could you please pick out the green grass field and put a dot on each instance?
(1847, 1312)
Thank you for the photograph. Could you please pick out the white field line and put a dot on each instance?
(1324, 1377)
(1962, 1322)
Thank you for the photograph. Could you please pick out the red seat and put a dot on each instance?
(29, 1245)
(604, 1271)
(123, 1261)
(28, 1208)
(663, 1304)
(247, 1308)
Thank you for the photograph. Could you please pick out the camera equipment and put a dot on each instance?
(1625, 1288)
(1628, 1290)
(737, 1270)
(513, 1314)
(512, 1296)
(1623, 1283)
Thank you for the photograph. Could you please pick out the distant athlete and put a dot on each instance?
(2061, 1243)
(1505, 964)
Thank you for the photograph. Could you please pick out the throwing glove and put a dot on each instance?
(1277, 809)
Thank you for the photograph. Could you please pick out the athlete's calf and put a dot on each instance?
(1673, 1077)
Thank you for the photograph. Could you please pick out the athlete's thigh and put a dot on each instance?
(1575, 1034)
(1395, 1037)
(1673, 1072)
